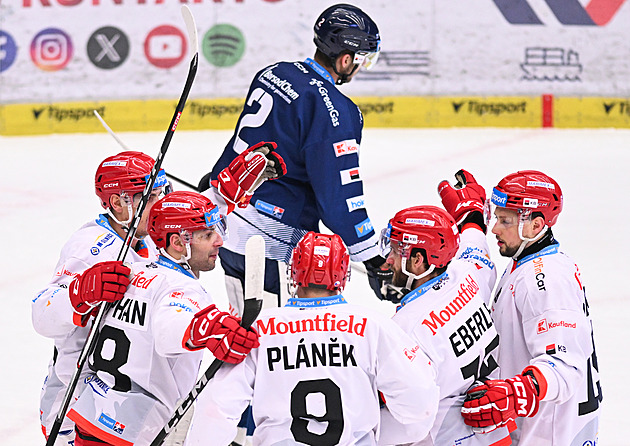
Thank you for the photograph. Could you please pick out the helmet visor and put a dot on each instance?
(384, 241)
(217, 222)
(366, 59)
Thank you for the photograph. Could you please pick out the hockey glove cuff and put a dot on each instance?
(497, 403)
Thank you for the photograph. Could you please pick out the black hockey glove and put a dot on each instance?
(379, 275)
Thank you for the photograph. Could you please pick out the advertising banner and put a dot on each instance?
(496, 57)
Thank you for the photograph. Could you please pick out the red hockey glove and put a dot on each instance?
(497, 403)
(237, 182)
(103, 282)
(222, 334)
(465, 198)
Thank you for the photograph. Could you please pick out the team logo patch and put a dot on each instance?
(269, 209)
(110, 423)
(346, 147)
(349, 176)
(355, 203)
(364, 228)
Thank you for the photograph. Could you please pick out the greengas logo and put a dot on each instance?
(596, 13)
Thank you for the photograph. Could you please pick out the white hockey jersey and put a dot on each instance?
(542, 316)
(449, 318)
(52, 313)
(142, 368)
(315, 379)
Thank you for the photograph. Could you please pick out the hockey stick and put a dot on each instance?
(126, 147)
(254, 282)
(91, 339)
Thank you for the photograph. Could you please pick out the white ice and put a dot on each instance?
(46, 193)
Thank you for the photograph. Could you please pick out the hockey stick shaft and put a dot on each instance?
(92, 336)
(254, 282)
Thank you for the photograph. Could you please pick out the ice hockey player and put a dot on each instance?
(58, 311)
(547, 351)
(448, 280)
(321, 364)
(318, 132)
(150, 346)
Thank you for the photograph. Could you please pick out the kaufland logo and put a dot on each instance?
(596, 12)
(346, 147)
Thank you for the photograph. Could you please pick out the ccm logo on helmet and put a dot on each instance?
(105, 186)
(172, 226)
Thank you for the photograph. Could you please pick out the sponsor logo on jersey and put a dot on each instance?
(114, 164)
(349, 175)
(477, 255)
(177, 294)
(139, 280)
(269, 209)
(544, 325)
(364, 228)
(540, 276)
(541, 184)
(65, 272)
(355, 203)
(300, 67)
(278, 84)
(107, 240)
(411, 353)
(346, 147)
(551, 349)
(467, 290)
(328, 323)
(110, 423)
(323, 91)
(499, 198)
(98, 386)
(182, 306)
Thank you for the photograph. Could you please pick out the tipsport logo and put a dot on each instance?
(596, 13)
(51, 49)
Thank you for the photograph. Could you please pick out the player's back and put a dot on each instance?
(316, 376)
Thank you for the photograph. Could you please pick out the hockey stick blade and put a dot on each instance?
(92, 336)
(254, 283)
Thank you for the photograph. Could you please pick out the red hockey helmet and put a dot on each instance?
(530, 191)
(183, 211)
(125, 172)
(320, 261)
(428, 227)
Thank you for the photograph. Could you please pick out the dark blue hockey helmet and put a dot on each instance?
(345, 27)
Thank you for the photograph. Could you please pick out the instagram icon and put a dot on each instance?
(51, 49)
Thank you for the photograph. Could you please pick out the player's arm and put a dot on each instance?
(406, 381)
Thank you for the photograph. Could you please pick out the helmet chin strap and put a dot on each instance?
(342, 78)
(524, 239)
(184, 258)
(410, 276)
(125, 224)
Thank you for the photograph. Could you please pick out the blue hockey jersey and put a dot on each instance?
(318, 132)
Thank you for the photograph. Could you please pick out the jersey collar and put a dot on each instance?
(310, 302)
(168, 263)
(141, 246)
(413, 295)
(551, 249)
(320, 70)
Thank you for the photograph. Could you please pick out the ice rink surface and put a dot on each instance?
(47, 192)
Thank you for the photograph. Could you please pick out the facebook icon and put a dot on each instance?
(8, 50)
